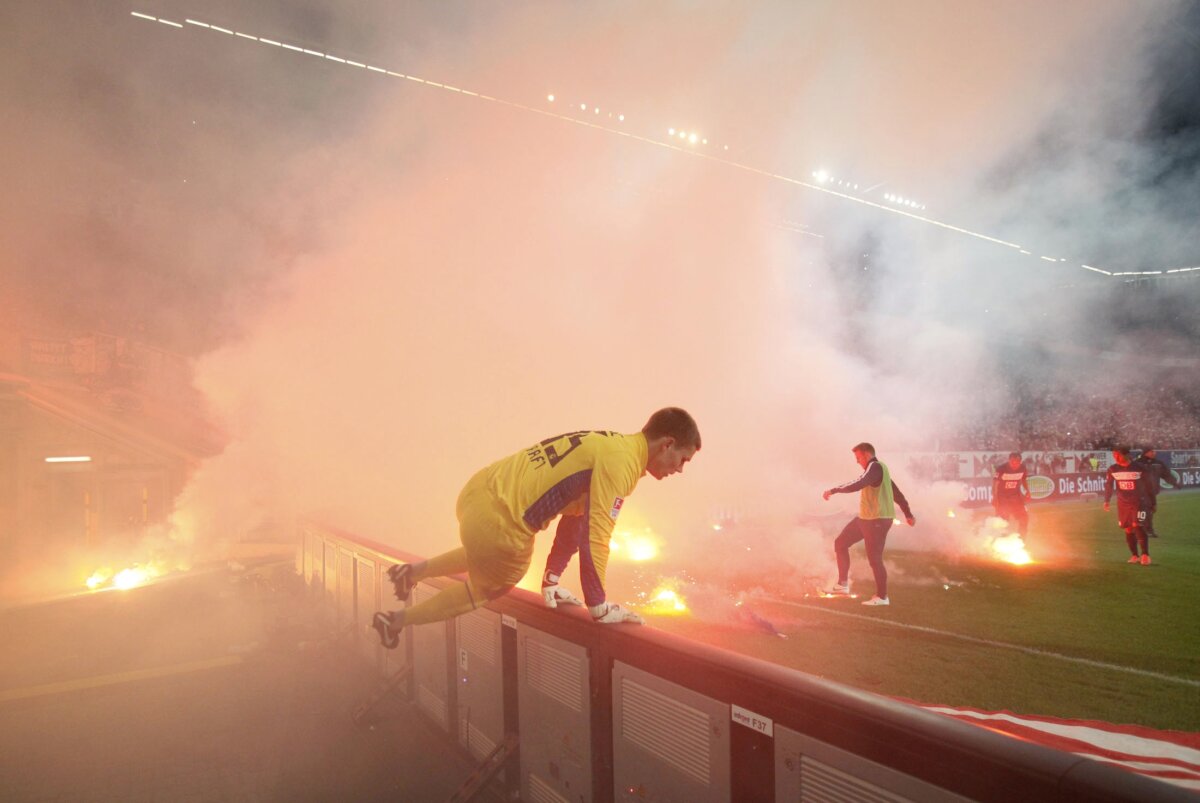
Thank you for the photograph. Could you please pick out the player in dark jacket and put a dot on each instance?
(878, 499)
(1010, 489)
(1129, 481)
(1157, 472)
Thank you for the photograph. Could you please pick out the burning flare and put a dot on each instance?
(131, 577)
(665, 600)
(638, 548)
(99, 578)
(1009, 547)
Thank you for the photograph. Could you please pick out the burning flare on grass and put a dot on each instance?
(665, 600)
(1009, 547)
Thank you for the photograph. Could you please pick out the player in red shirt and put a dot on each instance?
(1129, 480)
(1010, 489)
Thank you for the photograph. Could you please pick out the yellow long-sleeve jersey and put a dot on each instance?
(586, 474)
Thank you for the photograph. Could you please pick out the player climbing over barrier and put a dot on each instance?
(583, 476)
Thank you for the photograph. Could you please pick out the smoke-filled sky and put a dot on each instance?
(388, 284)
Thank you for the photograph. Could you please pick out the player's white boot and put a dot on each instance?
(837, 590)
(877, 600)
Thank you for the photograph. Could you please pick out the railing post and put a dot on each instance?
(511, 691)
(600, 666)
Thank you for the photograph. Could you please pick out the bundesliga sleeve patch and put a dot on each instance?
(616, 507)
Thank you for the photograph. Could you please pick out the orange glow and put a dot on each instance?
(950, 514)
(665, 600)
(99, 578)
(1001, 545)
(627, 545)
(1011, 549)
(131, 577)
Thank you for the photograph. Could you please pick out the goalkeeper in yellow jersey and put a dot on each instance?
(583, 477)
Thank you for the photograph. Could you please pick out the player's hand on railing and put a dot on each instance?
(606, 614)
(556, 595)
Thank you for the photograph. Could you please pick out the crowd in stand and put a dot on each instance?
(1158, 419)
(1061, 434)
(951, 465)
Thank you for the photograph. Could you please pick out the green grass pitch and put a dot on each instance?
(1077, 634)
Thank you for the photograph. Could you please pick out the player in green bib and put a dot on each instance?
(877, 501)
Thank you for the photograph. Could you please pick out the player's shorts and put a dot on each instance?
(499, 551)
(1129, 514)
(1010, 507)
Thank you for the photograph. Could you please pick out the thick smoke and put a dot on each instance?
(393, 284)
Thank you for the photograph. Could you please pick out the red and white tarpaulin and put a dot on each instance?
(1171, 756)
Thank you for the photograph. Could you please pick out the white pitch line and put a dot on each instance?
(989, 643)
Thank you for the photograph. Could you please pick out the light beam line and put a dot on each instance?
(668, 145)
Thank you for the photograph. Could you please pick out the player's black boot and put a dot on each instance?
(389, 634)
(402, 581)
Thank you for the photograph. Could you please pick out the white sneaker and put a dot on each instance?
(877, 600)
(837, 590)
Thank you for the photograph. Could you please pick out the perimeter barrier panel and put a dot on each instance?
(633, 714)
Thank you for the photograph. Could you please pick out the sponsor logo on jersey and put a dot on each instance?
(616, 507)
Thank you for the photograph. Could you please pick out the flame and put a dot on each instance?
(131, 577)
(666, 600)
(633, 546)
(1011, 549)
(1008, 547)
(99, 578)
(950, 514)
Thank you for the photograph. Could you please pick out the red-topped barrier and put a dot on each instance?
(636, 714)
